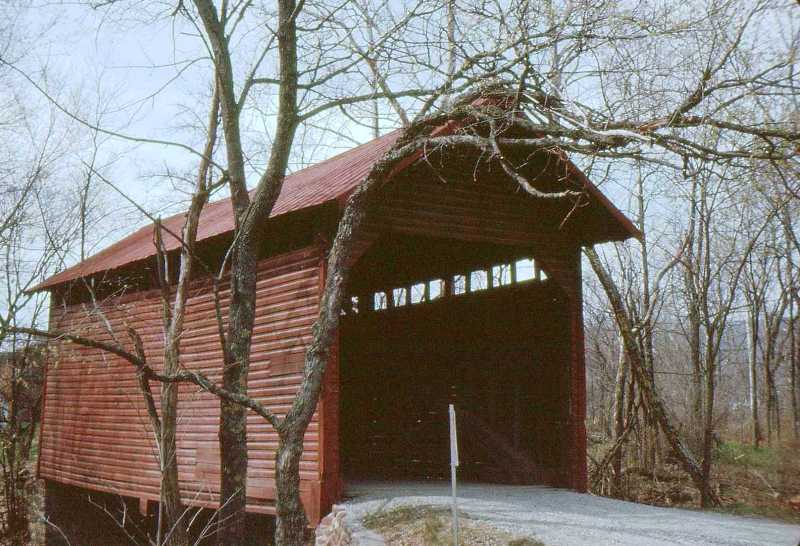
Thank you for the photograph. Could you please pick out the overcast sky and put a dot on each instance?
(148, 78)
(143, 78)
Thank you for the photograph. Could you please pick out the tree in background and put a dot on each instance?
(611, 86)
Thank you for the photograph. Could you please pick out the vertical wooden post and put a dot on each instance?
(579, 473)
(51, 321)
(565, 269)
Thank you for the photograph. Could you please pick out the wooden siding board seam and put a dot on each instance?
(288, 293)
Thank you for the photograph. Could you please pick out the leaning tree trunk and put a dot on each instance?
(655, 405)
(291, 519)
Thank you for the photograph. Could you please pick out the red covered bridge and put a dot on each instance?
(467, 291)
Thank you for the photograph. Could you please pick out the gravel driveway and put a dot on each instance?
(564, 518)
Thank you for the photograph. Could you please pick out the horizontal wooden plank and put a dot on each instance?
(96, 432)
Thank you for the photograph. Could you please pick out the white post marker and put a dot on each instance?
(453, 466)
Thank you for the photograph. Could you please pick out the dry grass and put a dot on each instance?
(754, 482)
(760, 481)
(432, 526)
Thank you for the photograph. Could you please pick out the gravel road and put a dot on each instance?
(564, 518)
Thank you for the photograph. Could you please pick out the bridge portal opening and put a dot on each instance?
(491, 337)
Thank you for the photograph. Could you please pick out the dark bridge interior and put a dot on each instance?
(495, 345)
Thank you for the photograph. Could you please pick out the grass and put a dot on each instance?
(402, 515)
(427, 525)
(759, 480)
(752, 481)
(760, 458)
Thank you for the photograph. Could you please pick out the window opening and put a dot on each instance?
(525, 270)
(478, 280)
(501, 275)
(399, 296)
(459, 284)
(435, 289)
(418, 292)
(504, 274)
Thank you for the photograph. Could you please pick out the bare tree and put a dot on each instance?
(36, 231)
(539, 57)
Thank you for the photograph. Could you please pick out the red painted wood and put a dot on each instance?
(330, 181)
(579, 471)
(565, 269)
(97, 434)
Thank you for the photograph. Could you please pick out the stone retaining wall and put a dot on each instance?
(337, 529)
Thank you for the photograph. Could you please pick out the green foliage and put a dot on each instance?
(745, 509)
(735, 453)
(402, 515)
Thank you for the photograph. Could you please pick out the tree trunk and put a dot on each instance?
(693, 317)
(769, 385)
(794, 349)
(16, 509)
(233, 417)
(646, 331)
(696, 417)
(174, 521)
(706, 497)
(653, 400)
(250, 217)
(291, 523)
(337, 273)
(619, 416)
(752, 342)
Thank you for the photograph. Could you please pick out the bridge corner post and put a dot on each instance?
(578, 471)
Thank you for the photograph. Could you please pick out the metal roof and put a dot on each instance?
(314, 185)
(323, 182)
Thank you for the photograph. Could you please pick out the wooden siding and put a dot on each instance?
(495, 214)
(96, 433)
(469, 212)
(565, 268)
